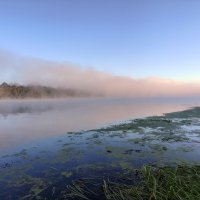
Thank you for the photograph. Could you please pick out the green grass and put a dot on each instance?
(166, 183)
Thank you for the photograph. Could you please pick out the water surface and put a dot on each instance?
(42, 158)
(23, 122)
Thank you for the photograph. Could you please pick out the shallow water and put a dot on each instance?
(40, 155)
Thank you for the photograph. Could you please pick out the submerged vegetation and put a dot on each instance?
(153, 158)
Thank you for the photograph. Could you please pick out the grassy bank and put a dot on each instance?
(148, 183)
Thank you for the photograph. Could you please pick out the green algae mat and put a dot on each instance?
(154, 158)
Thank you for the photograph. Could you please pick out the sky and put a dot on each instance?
(135, 38)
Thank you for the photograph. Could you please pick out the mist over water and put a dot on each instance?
(25, 122)
(27, 70)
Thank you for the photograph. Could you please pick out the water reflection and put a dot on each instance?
(27, 121)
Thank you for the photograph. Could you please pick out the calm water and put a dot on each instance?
(40, 154)
(24, 122)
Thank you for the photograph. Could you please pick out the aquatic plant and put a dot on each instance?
(148, 183)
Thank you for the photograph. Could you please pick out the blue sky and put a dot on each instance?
(137, 38)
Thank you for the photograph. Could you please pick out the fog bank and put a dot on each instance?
(27, 70)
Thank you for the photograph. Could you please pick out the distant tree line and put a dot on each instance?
(32, 91)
